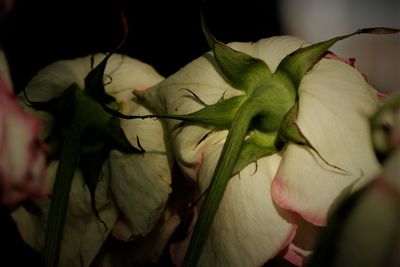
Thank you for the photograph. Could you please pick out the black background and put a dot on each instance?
(165, 34)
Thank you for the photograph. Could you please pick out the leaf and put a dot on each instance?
(300, 61)
(242, 71)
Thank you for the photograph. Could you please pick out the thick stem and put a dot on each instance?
(219, 181)
(59, 200)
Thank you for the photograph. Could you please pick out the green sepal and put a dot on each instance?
(94, 82)
(117, 139)
(91, 161)
(87, 140)
(300, 61)
(256, 146)
(220, 115)
(289, 130)
(241, 71)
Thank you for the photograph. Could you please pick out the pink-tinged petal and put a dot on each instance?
(248, 228)
(299, 251)
(334, 108)
(22, 159)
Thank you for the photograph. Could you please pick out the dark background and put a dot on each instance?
(165, 34)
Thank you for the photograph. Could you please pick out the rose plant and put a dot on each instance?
(274, 135)
(106, 174)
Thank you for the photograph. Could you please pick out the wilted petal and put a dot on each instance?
(248, 228)
(335, 104)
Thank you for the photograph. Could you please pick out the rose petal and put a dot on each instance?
(83, 232)
(335, 104)
(140, 188)
(248, 228)
(271, 50)
(127, 74)
(22, 159)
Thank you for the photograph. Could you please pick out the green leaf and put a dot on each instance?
(242, 71)
(300, 61)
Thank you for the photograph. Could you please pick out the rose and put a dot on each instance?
(131, 189)
(22, 158)
(328, 150)
(363, 230)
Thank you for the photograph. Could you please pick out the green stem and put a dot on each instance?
(223, 172)
(59, 201)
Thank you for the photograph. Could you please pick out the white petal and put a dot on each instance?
(334, 108)
(171, 96)
(140, 184)
(127, 74)
(84, 234)
(248, 228)
(271, 50)
(202, 76)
